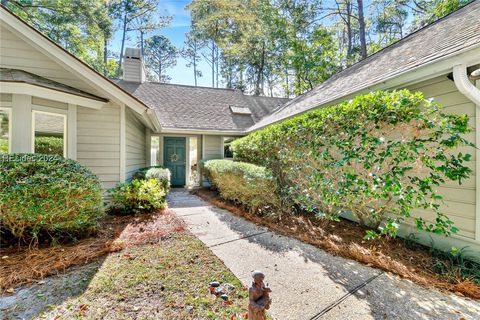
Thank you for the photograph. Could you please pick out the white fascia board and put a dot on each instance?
(69, 62)
(442, 66)
(51, 94)
(203, 132)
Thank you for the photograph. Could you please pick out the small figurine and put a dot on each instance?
(259, 297)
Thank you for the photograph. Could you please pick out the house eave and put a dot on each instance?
(51, 94)
(201, 131)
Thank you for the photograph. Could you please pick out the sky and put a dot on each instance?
(175, 31)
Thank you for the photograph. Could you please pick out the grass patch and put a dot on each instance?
(168, 281)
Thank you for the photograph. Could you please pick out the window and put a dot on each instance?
(227, 150)
(49, 133)
(5, 129)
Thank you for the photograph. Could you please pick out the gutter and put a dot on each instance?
(462, 81)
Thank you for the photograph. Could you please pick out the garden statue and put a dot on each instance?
(259, 298)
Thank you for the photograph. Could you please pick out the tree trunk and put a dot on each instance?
(105, 57)
(349, 32)
(195, 62)
(361, 21)
(124, 31)
(142, 47)
(213, 64)
(216, 65)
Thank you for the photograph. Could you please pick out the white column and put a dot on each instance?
(22, 129)
(148, 147)
(477, 169)
(72, 132)
(122, 143)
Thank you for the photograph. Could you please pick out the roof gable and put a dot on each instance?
(41, 56)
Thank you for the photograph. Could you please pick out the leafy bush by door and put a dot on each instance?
(379, 156)
(244, 183)
(48, 194)
(146, 192)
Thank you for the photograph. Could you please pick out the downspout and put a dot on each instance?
(464, 85)
(462, 81)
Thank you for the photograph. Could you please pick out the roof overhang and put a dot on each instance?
(201, 131)
(14, 87)
(442, 66)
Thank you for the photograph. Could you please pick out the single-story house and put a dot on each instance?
(118, 126)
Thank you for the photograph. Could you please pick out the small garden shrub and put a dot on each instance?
(43, 194)
(155, 172)
(379, 156)
(145, 193)
(244, 183)
(49, 145)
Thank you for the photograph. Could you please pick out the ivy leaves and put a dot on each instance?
(378, 156)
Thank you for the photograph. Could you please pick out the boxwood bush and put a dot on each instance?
(244, 183)
(146, 192)
(378, 156)
(44, 194)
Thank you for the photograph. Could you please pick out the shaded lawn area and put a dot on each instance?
(168, 281)
(155, 270)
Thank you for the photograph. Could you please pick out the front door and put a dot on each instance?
(174, 159)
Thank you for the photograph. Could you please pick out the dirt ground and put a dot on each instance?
(345, 238)
(153, 269)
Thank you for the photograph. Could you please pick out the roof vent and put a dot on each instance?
(240, 110)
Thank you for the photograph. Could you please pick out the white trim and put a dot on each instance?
(202, 132)
(47, 93)
(65, 133)
(49, 109)
(222, 146)
(123, 146)
(21, 123)
(477, 169)
(8, 110)
(148, 147)
(72, 132)
(464, 85)
(187, 161)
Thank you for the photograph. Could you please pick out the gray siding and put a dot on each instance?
(459, 200)
(135, 144)
(98, 142)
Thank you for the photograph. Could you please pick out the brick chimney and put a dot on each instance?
(133, 69)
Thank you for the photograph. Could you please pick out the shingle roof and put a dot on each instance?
(453, 33)
(15, 75)
(201, 108)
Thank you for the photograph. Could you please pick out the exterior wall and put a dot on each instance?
(16, 53)
(460, 201)
(98, 142)
(135, 144)
(212, 147)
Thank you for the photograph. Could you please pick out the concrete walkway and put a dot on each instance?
(307, 282)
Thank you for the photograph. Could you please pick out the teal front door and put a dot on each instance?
(174, 159)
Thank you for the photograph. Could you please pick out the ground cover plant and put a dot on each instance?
(248, 184)
(145, 193)
(43, 195)
(378, 156)
(422, 265)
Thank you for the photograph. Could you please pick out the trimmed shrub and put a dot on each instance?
(154, 172)
(49, 145)
(378, 156)
(244, 183)
(138, 196)
(47, 194)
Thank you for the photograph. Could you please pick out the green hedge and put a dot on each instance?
(378, 156)
(145, 193)
(49, 145)
(244, 183)
(47, 194)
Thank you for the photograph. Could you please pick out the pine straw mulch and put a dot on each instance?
(345, 238)
(21, 264)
